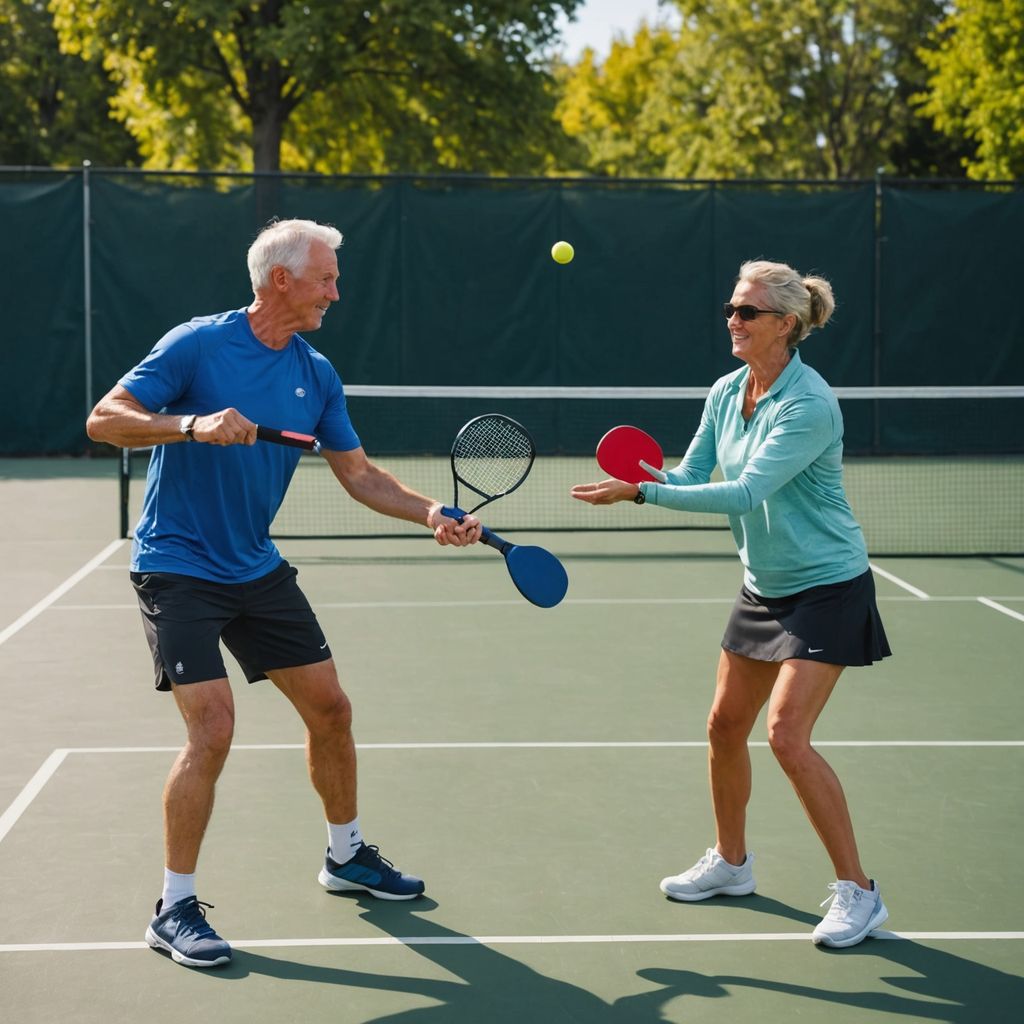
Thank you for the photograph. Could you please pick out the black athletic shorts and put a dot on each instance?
(836, 623)
(266, 624)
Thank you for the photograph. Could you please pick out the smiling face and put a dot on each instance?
(307, 296)
(764, 338)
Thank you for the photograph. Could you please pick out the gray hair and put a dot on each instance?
(809, 299)
(286, 243)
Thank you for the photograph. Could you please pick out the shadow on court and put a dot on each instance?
(947, 987)
(755, 902)
(497, 988)
(1013, 565)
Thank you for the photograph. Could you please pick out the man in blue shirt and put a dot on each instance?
(807, 608)
(205, 569)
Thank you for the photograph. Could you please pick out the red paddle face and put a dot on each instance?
(620, 450)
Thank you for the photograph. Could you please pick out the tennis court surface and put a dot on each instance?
(542, 770)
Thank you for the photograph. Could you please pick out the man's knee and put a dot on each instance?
(332, 715)
(209, 718)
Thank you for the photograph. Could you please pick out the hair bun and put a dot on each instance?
(822, 300)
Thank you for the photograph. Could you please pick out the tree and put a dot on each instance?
(619, 111)
(976, 89)
(393, 85)
(778, 88)
(49, 100)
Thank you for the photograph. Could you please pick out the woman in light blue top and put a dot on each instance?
(807, 607)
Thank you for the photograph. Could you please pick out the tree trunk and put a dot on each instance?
(269, 112)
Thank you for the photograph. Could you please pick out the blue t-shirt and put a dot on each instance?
(782, 487)
(208, 508)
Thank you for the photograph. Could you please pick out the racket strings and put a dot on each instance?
(492, 455)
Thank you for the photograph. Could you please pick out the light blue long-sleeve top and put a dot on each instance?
(782, 483)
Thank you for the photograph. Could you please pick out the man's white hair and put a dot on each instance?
(286, 243)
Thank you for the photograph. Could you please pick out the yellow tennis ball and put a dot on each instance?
(562, 252)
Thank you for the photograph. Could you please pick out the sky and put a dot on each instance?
(598, 22)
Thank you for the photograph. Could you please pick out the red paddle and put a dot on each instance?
(620, 450)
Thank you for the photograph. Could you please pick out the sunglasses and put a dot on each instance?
(747, 312)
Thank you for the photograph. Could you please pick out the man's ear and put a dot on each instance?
(279, 277)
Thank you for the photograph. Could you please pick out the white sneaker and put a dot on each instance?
(712, 875)
(854, 914)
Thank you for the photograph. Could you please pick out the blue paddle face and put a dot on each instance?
(539, 576)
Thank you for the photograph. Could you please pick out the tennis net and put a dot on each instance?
(928, 471)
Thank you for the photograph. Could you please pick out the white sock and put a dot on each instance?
(344, 840)
(176, 888)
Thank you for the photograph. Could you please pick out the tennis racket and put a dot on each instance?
(289, 439)
(631, 454)
(491, 456)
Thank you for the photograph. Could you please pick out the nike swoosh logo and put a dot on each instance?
(323, 645)
(815, 650)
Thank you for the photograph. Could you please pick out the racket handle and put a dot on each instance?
(492, 540)
(289, 439)
(486, 536)
(658, 475)
(489, 538)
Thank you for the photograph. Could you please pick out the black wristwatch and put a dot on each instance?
(639, 499)
(188, 426)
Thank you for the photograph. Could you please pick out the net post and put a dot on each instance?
(876, 326)
(87, 282)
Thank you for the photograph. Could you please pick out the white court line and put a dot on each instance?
(41, 606)
(510, 940)
(31, 791)
(1001, 608)
(899, 583)
(987, 601)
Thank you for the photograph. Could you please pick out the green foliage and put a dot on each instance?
(328, 85)
(778, 88)
(772, 88)
(52, 105)
(976, 87)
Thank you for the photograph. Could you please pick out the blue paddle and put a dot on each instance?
(538, 575)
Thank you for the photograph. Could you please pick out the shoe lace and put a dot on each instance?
(842, 897)
(701, 866)
(193, 916)
(386, 866)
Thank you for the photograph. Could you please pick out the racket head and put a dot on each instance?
(538, 575)
(491, 455)
(620, 450)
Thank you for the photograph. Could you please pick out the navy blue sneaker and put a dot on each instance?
(183, 932)
(369, 872)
